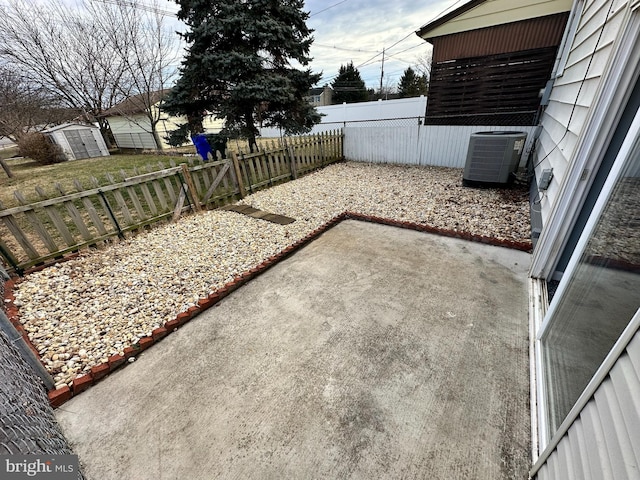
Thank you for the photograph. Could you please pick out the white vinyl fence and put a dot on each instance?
(407, 141)
(338, 116)
(393, 131)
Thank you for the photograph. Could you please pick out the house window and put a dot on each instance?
(598, 296)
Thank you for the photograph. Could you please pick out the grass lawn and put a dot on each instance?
(28, 174)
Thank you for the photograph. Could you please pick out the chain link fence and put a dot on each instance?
(27, 423)
(3, 276)
(409, 141)
(382, 122)
(528, 118)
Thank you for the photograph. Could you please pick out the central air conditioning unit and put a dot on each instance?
(492, 158)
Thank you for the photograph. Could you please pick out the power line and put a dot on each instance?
(407, 49)
(153, 9)
(139, 6)
(444, 11)
(325, 9)
(343, 49)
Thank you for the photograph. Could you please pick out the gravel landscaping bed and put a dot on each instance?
(80, 312)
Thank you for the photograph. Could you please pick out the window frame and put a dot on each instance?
(547, 442)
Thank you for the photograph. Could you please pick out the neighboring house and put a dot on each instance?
(319, 97)
(131, 126)
(491, 58)
(585, 340)
(78, 140)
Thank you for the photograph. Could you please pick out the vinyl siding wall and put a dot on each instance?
(498, 12)
(134, 131)
(574, 92)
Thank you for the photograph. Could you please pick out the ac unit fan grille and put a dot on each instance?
(493, 156)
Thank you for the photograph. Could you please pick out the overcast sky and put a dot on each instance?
(359, 30)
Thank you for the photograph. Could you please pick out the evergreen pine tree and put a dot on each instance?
(237, 66)
(349, 86)
(412, 85)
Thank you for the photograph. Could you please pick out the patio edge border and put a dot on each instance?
(59, 396)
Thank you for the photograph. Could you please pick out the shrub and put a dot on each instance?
(40, 149)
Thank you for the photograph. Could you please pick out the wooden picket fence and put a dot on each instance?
(34, 233)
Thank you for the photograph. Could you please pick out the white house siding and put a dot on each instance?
(499, 12)
(167, 124)
(574, 92)
(134, 131)
(604, 440)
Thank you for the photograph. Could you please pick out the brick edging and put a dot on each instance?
(496, 242)
(59, 396)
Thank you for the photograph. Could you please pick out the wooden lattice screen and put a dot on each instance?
(501, 89)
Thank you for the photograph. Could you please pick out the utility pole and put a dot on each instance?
(381, 72)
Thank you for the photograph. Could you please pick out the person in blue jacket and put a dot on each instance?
(202, 146)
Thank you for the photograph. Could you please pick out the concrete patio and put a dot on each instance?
(373, 352)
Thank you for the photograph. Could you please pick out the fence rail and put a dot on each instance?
(34, 233)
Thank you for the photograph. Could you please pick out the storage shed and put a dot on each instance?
(78, 140)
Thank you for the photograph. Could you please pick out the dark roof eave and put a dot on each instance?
(425, 29)
(131, 105)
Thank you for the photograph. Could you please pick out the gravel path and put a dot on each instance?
(80, 312)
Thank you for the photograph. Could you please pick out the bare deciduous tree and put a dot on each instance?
(389, 88)
(26, 106)
(424, 65)
(89, 55)
(61, 48)
(149, 51)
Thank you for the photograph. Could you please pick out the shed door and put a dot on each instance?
(90, 143)
(82, 143)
